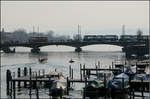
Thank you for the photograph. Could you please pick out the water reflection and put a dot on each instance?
(38, 55)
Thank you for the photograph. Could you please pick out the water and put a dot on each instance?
(56, 59)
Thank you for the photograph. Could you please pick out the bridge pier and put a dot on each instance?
(78, 49)
(35, 50)
(8, 50)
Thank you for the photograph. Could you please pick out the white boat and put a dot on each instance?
(58, 85)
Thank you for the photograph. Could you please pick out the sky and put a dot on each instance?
(63, 17)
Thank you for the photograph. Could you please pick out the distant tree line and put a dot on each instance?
(20, 35)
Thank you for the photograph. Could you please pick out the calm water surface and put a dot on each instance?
(58, 60)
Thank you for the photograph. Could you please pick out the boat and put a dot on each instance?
(43, 60)
(95, 88)
(118, 86)
(71, 61)
(59, 87)
(138, 78)
(119, 82)
(58, 83)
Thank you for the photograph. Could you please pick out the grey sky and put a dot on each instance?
(63, 16)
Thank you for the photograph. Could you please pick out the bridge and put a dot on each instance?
(129, 47)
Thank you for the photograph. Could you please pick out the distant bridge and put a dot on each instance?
(72, 43)
(128, 46)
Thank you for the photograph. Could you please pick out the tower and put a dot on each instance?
(79, 32)
(123, 29)
(33, 31)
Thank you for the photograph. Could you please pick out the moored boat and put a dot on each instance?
(119, 86)
(58, 85)
(95, 88)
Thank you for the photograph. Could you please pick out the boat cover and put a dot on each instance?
(58, 85)
(95, 84)
(117, 81)
(141, 77)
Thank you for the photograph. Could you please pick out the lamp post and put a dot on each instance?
(149, 59)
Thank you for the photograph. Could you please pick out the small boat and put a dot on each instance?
(71, 61)
(42, 60)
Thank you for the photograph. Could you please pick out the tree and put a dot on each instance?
(50, 35)
(20, 35)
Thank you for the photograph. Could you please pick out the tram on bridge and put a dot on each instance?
(113, 38)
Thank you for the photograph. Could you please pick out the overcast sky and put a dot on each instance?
(63, 17)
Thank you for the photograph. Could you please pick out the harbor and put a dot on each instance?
(75, 50)
(31, 80)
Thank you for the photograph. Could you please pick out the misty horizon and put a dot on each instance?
(95, 17)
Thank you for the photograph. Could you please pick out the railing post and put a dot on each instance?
(30, 88)
(112, 65)
(84, 70)
(37, 91)
(25, 74)
(80, 72)
(43, 72)
(7, 81)
(70, 71)
(30, 73)
(142, 91)
(8, 77)
(14, 90)
(49, 88)
(96, 70)
(11, 87)
(19, 75)
(104, 80)
(39, 73)
(130, 88)
(67, 86)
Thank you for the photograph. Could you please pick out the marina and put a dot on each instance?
(128, 86)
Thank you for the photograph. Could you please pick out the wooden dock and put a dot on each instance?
(94, 69)
(29, 80)
(79, 80)
(33, 78)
